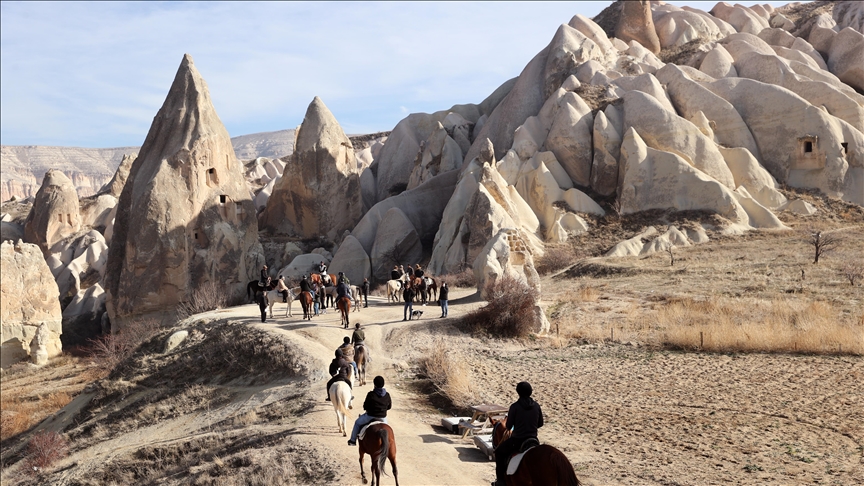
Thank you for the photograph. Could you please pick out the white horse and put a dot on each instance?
(393, 288)
(274, 296)
(340, 396)
(356, 296)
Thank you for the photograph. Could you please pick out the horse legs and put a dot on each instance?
(362, 472)
(392, 455)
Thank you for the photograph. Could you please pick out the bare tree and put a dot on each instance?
(823, 243)
(852, 271)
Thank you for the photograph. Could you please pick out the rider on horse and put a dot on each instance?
(339, 370)
(282, 288)
(343, 290)
(523, 419)
(265, 277)
(376, 405)
(418, 272)
(348, 353)
(358, 337)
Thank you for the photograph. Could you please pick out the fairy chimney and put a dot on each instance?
(54, 215)
(185, 216)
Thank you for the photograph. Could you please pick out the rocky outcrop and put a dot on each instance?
(28, 300)
(115, 185)
(54, 215)
(846, 57)
(185, 216)
(319, 192)
(302, 265)
(352, 260)
(396, 242)
(636, 23)
(440, 153)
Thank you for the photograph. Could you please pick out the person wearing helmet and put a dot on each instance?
(523, 420)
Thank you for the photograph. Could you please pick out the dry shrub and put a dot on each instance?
(724, 325)
(43, 450)
(510, 311)
(556, 258)
(450, 376)
(19, 413)
(111, 349)
(463, 279)
(852, 271)
(205, 298)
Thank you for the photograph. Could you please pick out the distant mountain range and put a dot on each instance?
(23, 166)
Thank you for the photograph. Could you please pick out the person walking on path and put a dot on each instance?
(443, 293)
(376, 405)
(523, 419)
(261, 299)
(408, 295)
(365, 289)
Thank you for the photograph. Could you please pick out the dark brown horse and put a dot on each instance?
(253, 287)
(541, 465)
(362, 358)
(306, 302)
(380, 444)
(344, 306)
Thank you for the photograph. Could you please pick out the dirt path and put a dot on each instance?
(425, 455)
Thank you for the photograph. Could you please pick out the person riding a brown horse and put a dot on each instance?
(523, 419)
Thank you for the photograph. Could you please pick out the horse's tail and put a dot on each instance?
(385, 448)
(340, 398)
(563, 468)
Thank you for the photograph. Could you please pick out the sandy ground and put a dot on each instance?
(425, 454)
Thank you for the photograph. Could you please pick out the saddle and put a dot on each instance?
(516, 459)
(427, 281)
(363, 430)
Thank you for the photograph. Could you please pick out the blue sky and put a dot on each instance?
(93, 74)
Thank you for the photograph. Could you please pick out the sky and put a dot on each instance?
(94, 74)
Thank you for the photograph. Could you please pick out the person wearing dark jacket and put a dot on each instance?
(523, 419)
(265, 277)
(340, 368)
(261, 299)
(365, 289)
(408, 296)
(376, 405)
(304, 284)
(443, 294)
(395, 273)
(418, 272)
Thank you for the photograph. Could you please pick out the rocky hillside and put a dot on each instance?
(90, 168)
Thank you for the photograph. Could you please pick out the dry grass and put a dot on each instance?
(723, 325)
(111, 349)
(20, 411)
(556, 258)
(450, 375)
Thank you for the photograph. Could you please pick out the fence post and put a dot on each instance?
(701, 340)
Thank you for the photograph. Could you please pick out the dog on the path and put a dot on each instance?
(415, 314)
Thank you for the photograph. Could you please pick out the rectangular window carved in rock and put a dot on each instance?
(212, 177)
(808, 147)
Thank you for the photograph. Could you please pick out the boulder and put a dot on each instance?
(301, 265)
(718, 63)
(591, 30)
(655, 179)
(780, 21)
(174, 340)
(451, 240)
(800, 206)
(97, 211)
(264, 195)
(352, 260)
(570, 140)
(802, 145)
(637, 24)
(648, 84)
(666, 131)
(54, 214)
(423, 206)
(185, 214)
(28, 299)
(777, 37)
(673, 238)
(690, 97)
(846, 58)
(396, 242)
(632, 246)
(806, 48)
(319, 191)
(11, 231)
(440, 154)
(82, 318)
(849, 14)
(680, 27)
(607, 144)
(753, 177)
(367, 188)
(821, 39)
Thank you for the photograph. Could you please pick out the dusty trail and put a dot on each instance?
(425, 456)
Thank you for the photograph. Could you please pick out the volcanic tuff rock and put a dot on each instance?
(396, 242)
(352, 260)
(319, 191)
(28, 299)
(115, 185)
(55, 212)
(637, 24)
(185, 216)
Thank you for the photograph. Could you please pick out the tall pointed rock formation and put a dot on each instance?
(319, 192)
(54, 215)
(185, 216)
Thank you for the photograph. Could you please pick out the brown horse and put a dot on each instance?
(306, 302)
(540, 466)
(362, 357)
(344, 306)
(380, 444)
